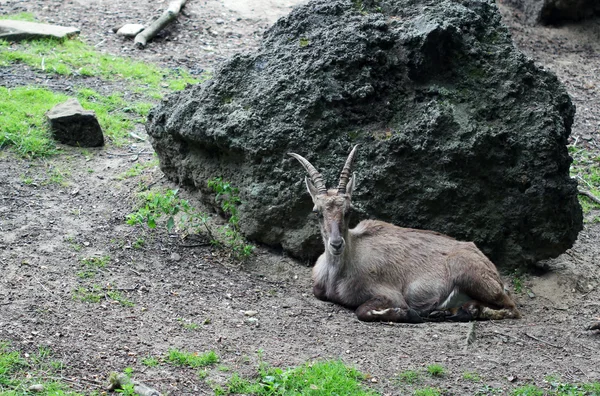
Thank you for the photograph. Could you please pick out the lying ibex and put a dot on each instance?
(396, 274)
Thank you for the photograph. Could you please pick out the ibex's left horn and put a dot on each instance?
(314, 174)
(346, 172)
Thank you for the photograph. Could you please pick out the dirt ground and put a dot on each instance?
(47, 228)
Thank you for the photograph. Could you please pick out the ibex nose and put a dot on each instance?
(337, 244)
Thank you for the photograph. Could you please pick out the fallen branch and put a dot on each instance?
(166, 18)
(542, 341)
(589, 195)
(119, 381)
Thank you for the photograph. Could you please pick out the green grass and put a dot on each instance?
(22, 122)
(409, 377)
(427, 392)
(436, 370)
(18, 373)
(115, 295)
(74, 57)
(191, 359)
(586, 169)
(150, 361)
(92, 265)
(319, 378)
(21, 16)
(471, 376)
(91, 295)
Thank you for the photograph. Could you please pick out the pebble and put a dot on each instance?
(175, 256)
(250, 313)
(36, 388)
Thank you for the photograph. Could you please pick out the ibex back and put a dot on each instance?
(390, 273)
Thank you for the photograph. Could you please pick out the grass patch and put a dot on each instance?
(436, 370)
(150, 361)
(192, 359)
(21, 375)
(115, 295)
(92, 265)
(319, 378)
(21, 16)
(22, 122)
(409, 377)
(586, 170)
(74, 57)
(92, 295)
(137, 169)
(427, 392)
(471, 376)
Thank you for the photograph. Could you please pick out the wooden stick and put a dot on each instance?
(542, 341)
(166, 18)
(589, 195)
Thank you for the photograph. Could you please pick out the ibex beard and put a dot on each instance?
(390, 273)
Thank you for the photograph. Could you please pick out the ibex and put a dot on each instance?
(389, 273)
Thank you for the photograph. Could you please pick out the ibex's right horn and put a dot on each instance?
(346, 172)
(314, 174)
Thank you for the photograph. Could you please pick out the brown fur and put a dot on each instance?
(397, 274)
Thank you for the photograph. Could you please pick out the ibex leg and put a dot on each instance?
(382, 309)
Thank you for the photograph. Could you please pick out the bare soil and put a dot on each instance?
(48, 227)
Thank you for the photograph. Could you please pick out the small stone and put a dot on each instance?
(175, 257)
(130, 30)
(374, 380)
(20, 30)
(71, 124)
(530, 294)
(250, 313)
(36, 388)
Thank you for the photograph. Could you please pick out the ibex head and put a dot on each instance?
(332, 206)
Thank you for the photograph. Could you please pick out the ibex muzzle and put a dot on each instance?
(398, 274)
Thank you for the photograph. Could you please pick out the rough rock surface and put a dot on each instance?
(459, 132)
(551, 12)
(21, 30)
(71, 124)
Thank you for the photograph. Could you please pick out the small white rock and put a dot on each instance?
(130, 30)
(36, 388)
(250, 313)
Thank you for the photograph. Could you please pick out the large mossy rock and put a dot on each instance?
(459, 132)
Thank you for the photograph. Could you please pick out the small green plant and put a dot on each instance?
(228, 196)
(128, 371)
(409, 377)
(156, 204)
(318, 378)
(115, 295)
(190, 359)
(304, 42)
(528, 390)
(517, 282)
(188, 325)
(471, 376)
(93, 295)
(150, 361)
(435, 370)
(18, 372)
(139, 243)
(92, 265)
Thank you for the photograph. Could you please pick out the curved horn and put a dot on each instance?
(314, 174)
(346, 172)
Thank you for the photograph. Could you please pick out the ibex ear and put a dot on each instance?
(312, 190)
(350, 184)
